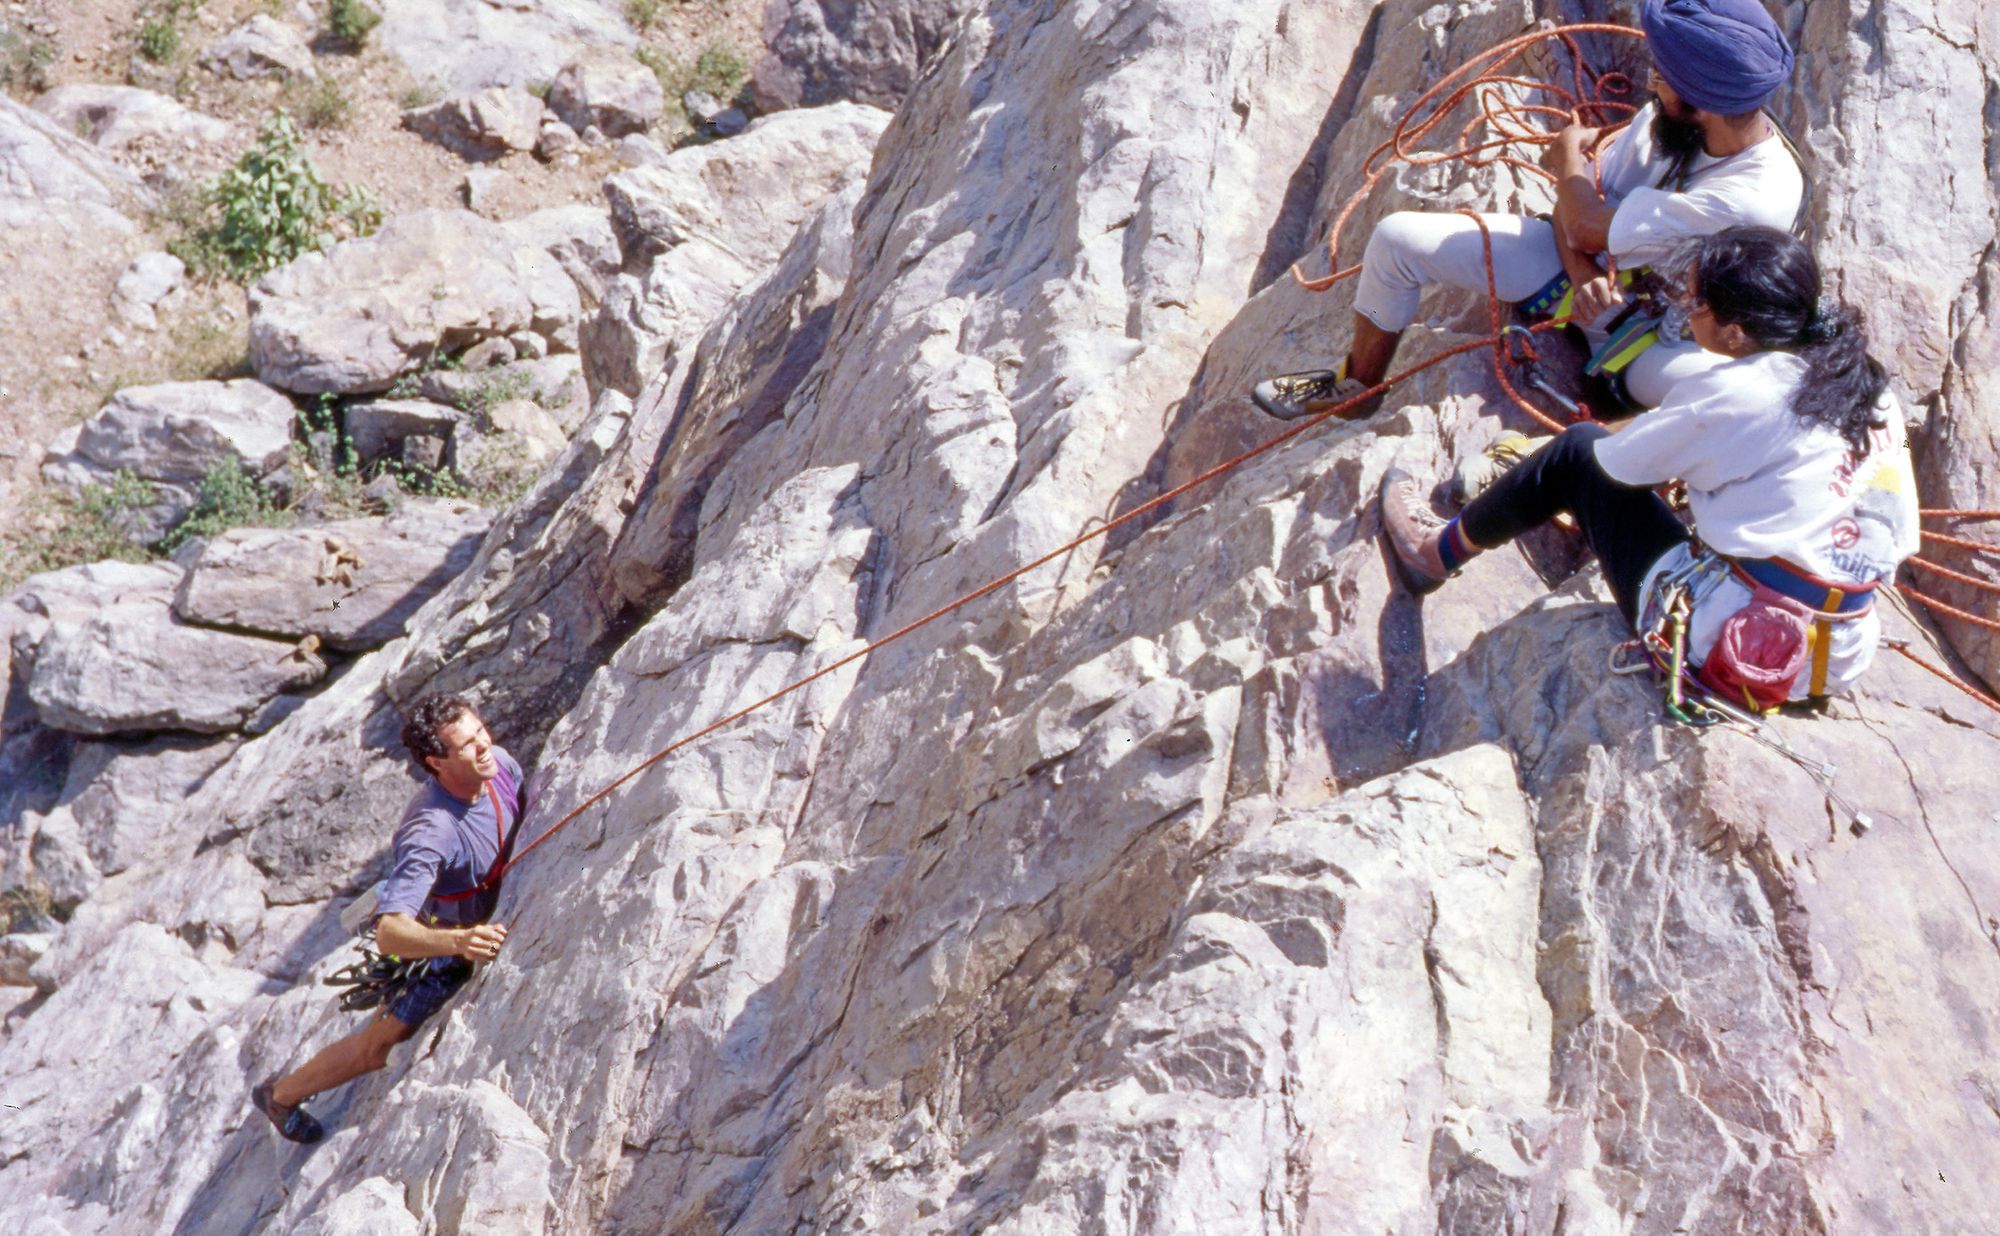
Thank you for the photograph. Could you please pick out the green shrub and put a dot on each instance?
(59, 531)
(322, 102)
(642, 14)
(159, 40)
(720, 71)
(24, 61)
(229, 498)
(270, 208)
(350, 21)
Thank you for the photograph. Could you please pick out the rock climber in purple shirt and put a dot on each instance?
(442, 886)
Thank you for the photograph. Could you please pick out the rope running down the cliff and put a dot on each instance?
(1493, 111)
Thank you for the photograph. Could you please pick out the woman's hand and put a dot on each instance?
(1595, 298)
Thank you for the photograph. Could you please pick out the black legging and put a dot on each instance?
(1628, 527)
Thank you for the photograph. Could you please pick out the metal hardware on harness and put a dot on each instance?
(1663, 644)
(1520, 343)
(375, 979)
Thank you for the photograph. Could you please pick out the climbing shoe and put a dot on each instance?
(1294, 395)
(293, 1123)
(1413, 530)
(1477, 474)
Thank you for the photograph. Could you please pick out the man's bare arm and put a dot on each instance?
(404, 936)
(1582, 218)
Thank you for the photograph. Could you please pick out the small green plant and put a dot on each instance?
(159, 40)
(349, 21)
(643, 14)
(419, 94)
(322, 102)
(269, 208)
(497, 387)
(25, 60)
(229, 498)
(60, 531)
(720, 71)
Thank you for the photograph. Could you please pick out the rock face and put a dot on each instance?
(170, 436)
(688, 247)
(355, 319)
(1199, 878)
(609, 89)
(483, 125)
(151, 281)
(353, 583)
(869, 51)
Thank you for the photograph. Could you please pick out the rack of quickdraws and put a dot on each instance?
(374, 979)
(1662, 647)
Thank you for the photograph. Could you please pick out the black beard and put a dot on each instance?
(1674, 138)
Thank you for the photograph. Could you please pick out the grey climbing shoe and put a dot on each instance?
(293, 1123)
(1477, 474)
(1292, 396)
(1413, 530)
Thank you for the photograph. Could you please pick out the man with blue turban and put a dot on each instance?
(1699, 157)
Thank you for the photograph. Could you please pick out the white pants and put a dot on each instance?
(1411, 249)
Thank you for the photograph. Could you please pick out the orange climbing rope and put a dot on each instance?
(1495, 111)
(993, 585)
(1416, 124)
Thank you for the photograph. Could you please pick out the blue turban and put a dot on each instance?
(1722, 56)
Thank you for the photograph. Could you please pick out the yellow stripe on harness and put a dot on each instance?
(1820, 635)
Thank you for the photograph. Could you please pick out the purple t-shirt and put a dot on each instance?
(446, 845)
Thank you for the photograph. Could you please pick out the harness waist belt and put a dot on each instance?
(1849, 600)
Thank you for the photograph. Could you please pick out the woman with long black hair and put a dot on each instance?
(1797, 474)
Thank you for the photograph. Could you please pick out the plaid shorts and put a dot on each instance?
(426, 993)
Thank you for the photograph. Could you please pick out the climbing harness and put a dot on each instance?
(377, 978)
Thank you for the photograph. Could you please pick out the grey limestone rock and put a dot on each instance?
(378, 428)
(133, 668)
(869, 51)
(608, 89)
(261, 47)
(354, 319)
(1197, 878)
(52, 179)
(170, 436)
(688, 247)
(353, 583)
(114, 118)
(483, 125)
(147, 286)
(471, 44)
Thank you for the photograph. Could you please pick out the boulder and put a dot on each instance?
(520, 437)
(483, 125)
(554, 382)
(261, 47)
(353, 583)
(466, 45)
(556, 140)
(578, 237)
(607, 88)
(378, 428)
(688, 241)
(354, 319)
(170, 436)
(51, 178)
(134, 668)
(115, 118)
(19, 951)
(146, 286)
(867, 51)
